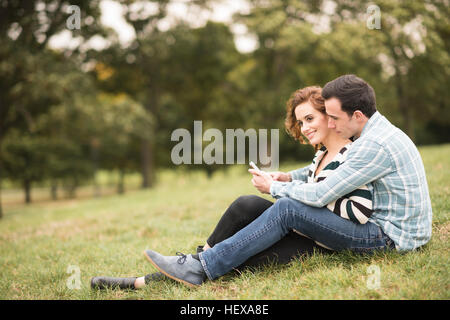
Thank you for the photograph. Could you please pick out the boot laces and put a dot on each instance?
(182, 258)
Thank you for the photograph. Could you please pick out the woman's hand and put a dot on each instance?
(280, 176)
(261, 180)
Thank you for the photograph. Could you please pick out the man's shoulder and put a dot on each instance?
(383, 133)
(381, 129)
(387, 134)
(384, 137)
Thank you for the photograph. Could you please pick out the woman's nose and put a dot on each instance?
(304, 128)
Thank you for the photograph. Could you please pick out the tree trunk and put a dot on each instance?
(407, 118)
(54, 190)
(1, 173)
(209, 171)
(27, 189)
(120, 184)
(148, 163)
(404, 107)
(95, 160)
(147, 146)
(145, 163)
(1, 207)
(71, 188)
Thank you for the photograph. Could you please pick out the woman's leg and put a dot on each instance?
(239, 214)
(245, 210)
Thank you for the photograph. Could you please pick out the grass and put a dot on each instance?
(44, 246)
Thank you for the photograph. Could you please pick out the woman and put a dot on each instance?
(306, 118)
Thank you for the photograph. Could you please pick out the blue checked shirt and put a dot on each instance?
(385, 159)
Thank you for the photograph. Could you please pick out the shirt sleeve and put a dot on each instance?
(366, 161)
(300, 174)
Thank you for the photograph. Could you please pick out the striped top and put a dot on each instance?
(355, 206)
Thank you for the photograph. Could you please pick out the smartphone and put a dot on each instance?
(253, 165)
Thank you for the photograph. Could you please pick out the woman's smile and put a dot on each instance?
(310, 134)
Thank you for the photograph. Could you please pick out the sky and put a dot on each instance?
(111, 16)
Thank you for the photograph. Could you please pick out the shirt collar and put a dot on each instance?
(370, 123)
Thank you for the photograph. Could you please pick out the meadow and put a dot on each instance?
(51, 249)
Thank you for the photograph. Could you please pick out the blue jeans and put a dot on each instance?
(284, 215)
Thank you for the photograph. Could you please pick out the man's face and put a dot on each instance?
(340, 121)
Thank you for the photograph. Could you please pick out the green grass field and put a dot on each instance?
(46, 246)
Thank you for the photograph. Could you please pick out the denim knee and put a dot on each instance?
(289, 204)
(289, 211)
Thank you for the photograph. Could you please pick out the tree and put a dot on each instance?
(149, 52)
(121, 123)
(412, 46)
(23, 158)
(25, 29)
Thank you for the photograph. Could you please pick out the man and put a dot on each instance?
(381, 154)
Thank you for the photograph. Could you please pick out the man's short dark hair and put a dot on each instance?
(354, 94)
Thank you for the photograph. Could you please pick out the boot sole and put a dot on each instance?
(168, 275)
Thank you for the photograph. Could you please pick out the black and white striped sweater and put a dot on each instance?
(355, 206)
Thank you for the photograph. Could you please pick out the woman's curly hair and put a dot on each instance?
(311, 94)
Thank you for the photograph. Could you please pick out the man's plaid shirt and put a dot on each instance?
(385, 159)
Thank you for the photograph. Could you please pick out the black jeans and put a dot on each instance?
(243, 211)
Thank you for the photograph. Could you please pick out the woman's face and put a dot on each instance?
(314, 124)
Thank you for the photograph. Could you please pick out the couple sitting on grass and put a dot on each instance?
(365, 190)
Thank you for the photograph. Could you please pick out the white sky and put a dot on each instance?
(112, 16)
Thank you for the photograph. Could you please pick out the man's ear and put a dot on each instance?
(359, 116)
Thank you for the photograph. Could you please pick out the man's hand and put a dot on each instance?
(261, 180)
